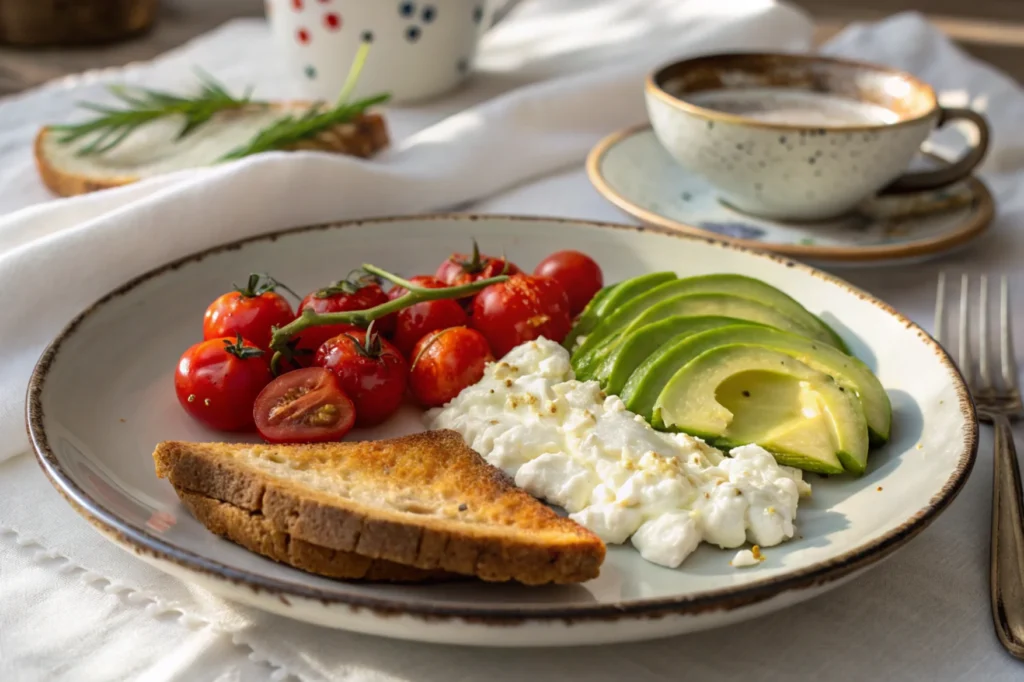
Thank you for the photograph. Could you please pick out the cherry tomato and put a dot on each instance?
(420, 319)
(578, 274)
(445, 362)
(520, 309)
(425, 281)
(350, 294)
(217, 381)
(460, 268)
(251, 311)
(304, 406)
(370, 370)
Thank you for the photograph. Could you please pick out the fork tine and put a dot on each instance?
(964, 349)
(983, 344)
(940, 308)
(1009, 361)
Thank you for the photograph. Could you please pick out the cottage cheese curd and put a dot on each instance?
(566, 442)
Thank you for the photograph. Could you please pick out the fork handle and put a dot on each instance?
(1007, 557)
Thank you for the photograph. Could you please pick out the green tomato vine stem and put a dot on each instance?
(415, 294)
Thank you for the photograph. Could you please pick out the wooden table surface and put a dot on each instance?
(991, 29)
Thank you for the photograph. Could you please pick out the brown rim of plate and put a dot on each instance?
(979, 222)
(142, 542)
(652, 86)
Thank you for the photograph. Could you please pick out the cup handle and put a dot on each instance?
(932, 179)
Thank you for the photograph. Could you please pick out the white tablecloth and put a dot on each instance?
(73, 607)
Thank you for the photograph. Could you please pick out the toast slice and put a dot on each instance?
(425, 501)
(154, 149)
(257, 534)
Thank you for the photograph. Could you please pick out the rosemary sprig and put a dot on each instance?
(290, 129)
(144, 105)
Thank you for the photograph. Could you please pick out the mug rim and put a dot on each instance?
(652, 86)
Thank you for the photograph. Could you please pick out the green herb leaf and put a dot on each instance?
(144, 105)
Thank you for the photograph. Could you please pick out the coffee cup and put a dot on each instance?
(796, 137)
(420, 48)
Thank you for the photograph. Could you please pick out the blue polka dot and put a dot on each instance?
(429, 13)
(412, 34)
(478, 14)
(367, 36)
(310, 72)
(406, 9)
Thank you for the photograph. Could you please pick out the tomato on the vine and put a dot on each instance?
(445, 362)
(425, 281)
(520, 309)
(460, 268)
(578, 273)
(217, 381)
(252, 311)
(420, 319)
(304, 406)
(370, 370)
(343, 296)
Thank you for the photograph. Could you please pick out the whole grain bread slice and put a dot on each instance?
(155, 149)
(254, 531)
(426, 501)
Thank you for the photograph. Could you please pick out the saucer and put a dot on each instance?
(633, 171)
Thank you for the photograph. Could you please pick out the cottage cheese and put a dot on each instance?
(569, 444)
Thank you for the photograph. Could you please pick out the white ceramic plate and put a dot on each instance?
(632, 170)
(101, 398)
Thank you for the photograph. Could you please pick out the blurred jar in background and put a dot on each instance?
(38, 23)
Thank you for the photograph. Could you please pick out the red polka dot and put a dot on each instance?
(332, 21)
(297, 5)
(303, 36)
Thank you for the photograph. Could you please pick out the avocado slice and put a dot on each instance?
(624, 315)
(609, 298)
(849, 372)
(640, 343)
(586, 361)
(737, 394)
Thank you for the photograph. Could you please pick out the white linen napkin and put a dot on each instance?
(56, 258)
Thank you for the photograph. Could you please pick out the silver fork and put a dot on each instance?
(998, 402)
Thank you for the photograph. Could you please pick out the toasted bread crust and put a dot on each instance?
(254, 532)
(513, 536)
(362, 137)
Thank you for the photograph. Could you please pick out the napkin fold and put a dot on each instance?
(58, 257)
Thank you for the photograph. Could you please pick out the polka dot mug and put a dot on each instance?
(420, 48)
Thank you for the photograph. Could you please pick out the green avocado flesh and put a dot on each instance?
(738, 394)
(849, 372)
(641, 343)
(689, 305)
(622, 315)
(610, 298)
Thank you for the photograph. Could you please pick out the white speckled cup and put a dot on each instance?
(796, 137)
(421, 48)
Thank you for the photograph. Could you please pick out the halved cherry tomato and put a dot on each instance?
(461, 268)
(251, 311)
(217, 381)
(351, 294)
(370, 370)
(425, 281)
(304, 406)
(578, 273)
(520, 309)
(445, 362)
(420, 319)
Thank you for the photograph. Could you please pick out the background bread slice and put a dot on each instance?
(425, 500)
(153, 150)
(254, 532)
